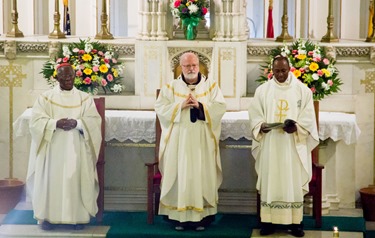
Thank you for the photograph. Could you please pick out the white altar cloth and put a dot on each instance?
(136, 126)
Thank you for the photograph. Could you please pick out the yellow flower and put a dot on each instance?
(297, 73)
(301, 57)
(103, 68)
(115, 72)
(326, 72)
(94, 78)
(86, 57)
(54, 74)
(87, 71)
(314, 66)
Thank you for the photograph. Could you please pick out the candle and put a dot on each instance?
(336, 232)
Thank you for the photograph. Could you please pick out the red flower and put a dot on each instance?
(204, 10)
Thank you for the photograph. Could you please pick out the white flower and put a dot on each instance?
(108, 55)
(121, 68)
(117, 88)
(175, 12)
(325, 86)
(193, 8)
(66, 51)
(301, 51)
(315, 76)
(88, 47)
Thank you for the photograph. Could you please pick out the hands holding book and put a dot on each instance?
(289, 126)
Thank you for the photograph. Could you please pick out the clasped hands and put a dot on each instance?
(190, 101)
(66, 124)
(289, 126)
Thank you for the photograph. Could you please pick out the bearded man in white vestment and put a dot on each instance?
(66, 137)
(190, 109)
(283, 155)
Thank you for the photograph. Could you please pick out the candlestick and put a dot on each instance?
(56, 33)
(284, 36)
(15, 31)
(371, 38)
(329, 36)
(336, 232)
(104, 32)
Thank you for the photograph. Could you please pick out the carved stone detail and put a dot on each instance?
(259, 50)
(372, 54)
(10, 49)
(128, 50)
(204, 55)
(32, 47)
(54, 47)
(2, 46)
(353, 51)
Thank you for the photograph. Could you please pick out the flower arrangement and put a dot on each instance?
(190, 12)
(189, 8)
(310, 64)
(95, 66)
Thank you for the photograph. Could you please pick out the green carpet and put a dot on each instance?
(133, 224)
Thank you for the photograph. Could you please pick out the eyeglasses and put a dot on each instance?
(190, 66)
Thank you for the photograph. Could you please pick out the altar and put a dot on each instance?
(130, 138)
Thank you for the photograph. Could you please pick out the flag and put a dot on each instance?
(371, 16)
(270, 21)
(66, 18)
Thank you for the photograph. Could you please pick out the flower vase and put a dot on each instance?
(189, 26)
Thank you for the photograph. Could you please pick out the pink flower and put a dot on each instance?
(81, 52)
(81, 66)
(320, 73)
(100, 53)
(177, 3)
(302, 70)
(79, 73)
(330, 82)
(294, 52)
(94, 51)
(87, 80)
(104, 82)
(58, 60)
(326, 61)
(313, 89)
(114, 60)
(95, 68)
(106, 61)
(270, 75)
(317, 59)
(311, 53)
(65, 59)
(292, 69)
(110, 77)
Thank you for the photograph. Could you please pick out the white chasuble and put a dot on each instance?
(189, 157)
(62, 174)
(283, 161)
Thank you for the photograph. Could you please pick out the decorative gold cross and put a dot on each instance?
(369, 83)
(11, 76)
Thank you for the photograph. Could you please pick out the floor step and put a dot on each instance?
(21, 231)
